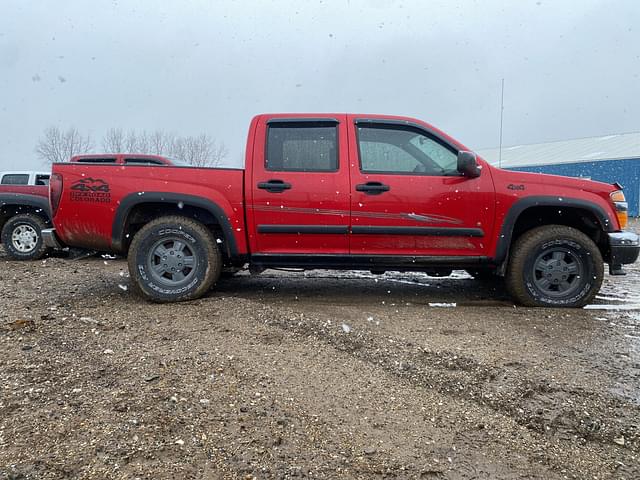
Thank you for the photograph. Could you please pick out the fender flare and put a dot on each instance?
(134, 199)
(22, 199)
(506, 231)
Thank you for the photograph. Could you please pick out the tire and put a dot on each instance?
(193, 261)
(554, 266)
(22, 237)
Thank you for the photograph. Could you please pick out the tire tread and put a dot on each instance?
(522, 250)
(7, 229)
(213, 253)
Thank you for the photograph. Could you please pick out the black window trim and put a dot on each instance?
(106, 160)
(303, 120)
(330, 122)
(398, 125)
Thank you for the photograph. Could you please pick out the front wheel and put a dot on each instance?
(174, 258)
(22, 237)
(554, 266)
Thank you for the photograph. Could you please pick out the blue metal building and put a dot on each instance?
(610, 158)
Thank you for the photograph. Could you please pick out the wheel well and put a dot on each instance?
(9, 211)
(578, 218)
(141, 214)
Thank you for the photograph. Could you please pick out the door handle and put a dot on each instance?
(274, 186)
(372, 188)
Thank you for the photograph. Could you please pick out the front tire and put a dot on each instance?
(22, 237)
(554, 266)
(174, 258)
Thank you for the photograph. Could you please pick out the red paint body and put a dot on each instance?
(323, 198)
(37, 190)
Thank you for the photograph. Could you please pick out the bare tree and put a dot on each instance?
(58, 146)
(200, 151)
(113, 141)
(143, 145)
(220, 152)
(160, 142)
(131, 142)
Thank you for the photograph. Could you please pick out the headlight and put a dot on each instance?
(621, 206)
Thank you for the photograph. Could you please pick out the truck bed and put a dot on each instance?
(101, 199)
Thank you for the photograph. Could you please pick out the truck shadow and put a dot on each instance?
(352, 287)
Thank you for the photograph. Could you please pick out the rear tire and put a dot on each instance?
(22, 237)
(174, 258)
(554, 266)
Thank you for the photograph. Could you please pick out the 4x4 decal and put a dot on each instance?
(93, 190)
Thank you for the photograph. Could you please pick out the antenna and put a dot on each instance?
(501, 116)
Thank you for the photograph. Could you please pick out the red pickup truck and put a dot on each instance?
(343, 191)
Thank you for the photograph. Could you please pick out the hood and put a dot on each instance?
(550, 181)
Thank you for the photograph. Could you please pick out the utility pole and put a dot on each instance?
(501, 116)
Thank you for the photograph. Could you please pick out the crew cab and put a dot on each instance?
(345, 191)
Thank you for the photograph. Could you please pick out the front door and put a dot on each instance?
(408, 198)
(300, 187)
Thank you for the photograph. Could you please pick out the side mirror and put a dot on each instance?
(467, 164)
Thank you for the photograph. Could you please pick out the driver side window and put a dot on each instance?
(403, 150)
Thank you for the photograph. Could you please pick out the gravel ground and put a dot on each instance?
(312, 375)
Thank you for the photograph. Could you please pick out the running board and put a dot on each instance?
(365, 262)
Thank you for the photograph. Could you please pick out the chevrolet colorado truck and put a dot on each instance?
(344, 191)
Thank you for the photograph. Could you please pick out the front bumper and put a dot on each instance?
(50, 238)
(624, 248)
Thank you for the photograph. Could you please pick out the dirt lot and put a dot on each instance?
(311, 376)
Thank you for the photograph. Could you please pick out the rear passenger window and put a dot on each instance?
(15, 179)
(302, 147)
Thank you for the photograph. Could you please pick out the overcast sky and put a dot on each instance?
(571, 68)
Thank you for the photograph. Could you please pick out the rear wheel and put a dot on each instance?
(22, 237)
(554, 266)
(173, 259)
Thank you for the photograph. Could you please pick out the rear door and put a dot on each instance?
(408, 198)
(299, 199)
